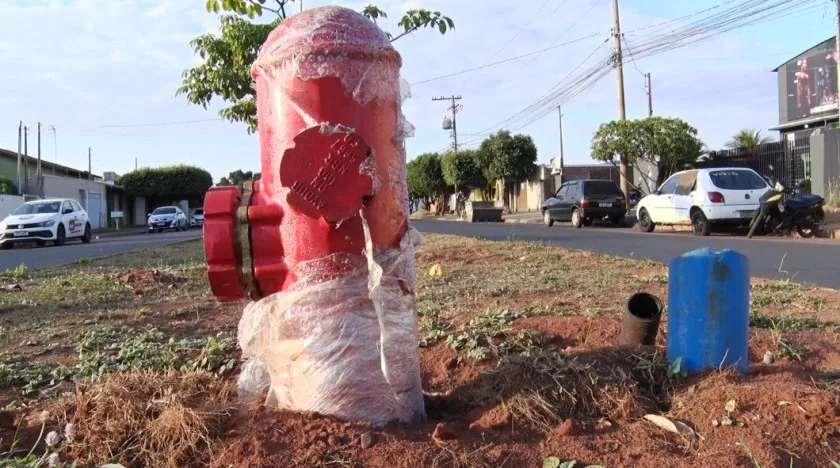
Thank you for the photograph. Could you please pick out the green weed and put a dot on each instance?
(21, 272)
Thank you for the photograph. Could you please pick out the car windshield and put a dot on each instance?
(38, 208)
(164, 211)
(737, 180)
(199, 212)
(601, 187)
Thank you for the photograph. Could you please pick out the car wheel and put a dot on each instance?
(8, 246)
(577, 221)
(547, 218)
(41, 243)
(87, 236)
(699, 224)
(645, 223)
(60, 236)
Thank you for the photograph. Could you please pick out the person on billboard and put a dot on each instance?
(803, 88)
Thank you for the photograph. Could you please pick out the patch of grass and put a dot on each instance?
(784, 295)
(106, 349)
(178, 255)
(785, 347)
(789, 323)
(82, 261)
(433, 329)
(21, 272)
(488, 336)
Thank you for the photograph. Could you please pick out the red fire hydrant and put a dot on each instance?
(321, 244)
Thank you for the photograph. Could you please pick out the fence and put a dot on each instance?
(9, 203)
(788, 161)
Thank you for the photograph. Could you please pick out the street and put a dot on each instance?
(74, 250)
(802, 261)
(813, 262)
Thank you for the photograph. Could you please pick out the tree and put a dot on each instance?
(670, 145)
(747, 139)
(172, 182)
(425, 178)
(7, 187)
(509, 158)
(238, 177)
(228, 55)
(461, 169)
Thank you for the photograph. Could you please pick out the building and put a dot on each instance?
(808, 92)
(98, 196)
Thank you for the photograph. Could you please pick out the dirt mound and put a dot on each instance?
(142, 280)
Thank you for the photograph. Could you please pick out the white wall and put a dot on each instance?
(78, 189)
(140, 211)
(9, 203)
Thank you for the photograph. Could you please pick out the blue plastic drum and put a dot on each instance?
(709, 310)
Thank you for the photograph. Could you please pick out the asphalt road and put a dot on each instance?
(816, 262)
(74, 249)
(806, 261)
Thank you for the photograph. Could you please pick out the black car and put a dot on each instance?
(582, 201)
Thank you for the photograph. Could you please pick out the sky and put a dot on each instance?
(104, 73)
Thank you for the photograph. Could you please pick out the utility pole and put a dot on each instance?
(55, 146)
(25, 157)
(623, 168)
(135, 163)
(38, 170)
(649, 89)
(90, 175)
(20, 144)
(454, 108)
(837, 52)
(560, 112)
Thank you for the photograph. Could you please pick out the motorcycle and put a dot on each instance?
(802, 214)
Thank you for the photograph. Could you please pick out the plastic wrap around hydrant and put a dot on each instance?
(340, 336)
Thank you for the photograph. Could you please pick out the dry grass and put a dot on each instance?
(451, 455)
(147, 419)
(540, 391)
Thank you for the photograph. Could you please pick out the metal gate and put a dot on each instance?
(788, 161)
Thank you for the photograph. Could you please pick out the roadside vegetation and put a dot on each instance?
(517, 344)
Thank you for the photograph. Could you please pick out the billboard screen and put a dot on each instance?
(812, 83)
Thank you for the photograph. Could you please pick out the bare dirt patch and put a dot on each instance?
(519, 364)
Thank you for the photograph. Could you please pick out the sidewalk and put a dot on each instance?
(124, 231)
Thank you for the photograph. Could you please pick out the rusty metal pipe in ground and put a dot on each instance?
(640, 321)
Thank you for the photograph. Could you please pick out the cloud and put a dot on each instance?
(54, 80)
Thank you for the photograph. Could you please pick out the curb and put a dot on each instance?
(523, 221)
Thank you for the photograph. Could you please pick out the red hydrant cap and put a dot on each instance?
(326, 31)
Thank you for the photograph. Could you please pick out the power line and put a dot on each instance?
(557, 94)
(518, 32)
(744, 14)
(536, 52)
(630, 53)
(570, 28)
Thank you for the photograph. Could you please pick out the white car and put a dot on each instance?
(702, 198)
(40, 221)
(197, 219)
(167, 217)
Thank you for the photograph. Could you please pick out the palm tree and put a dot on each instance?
(747, 139)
